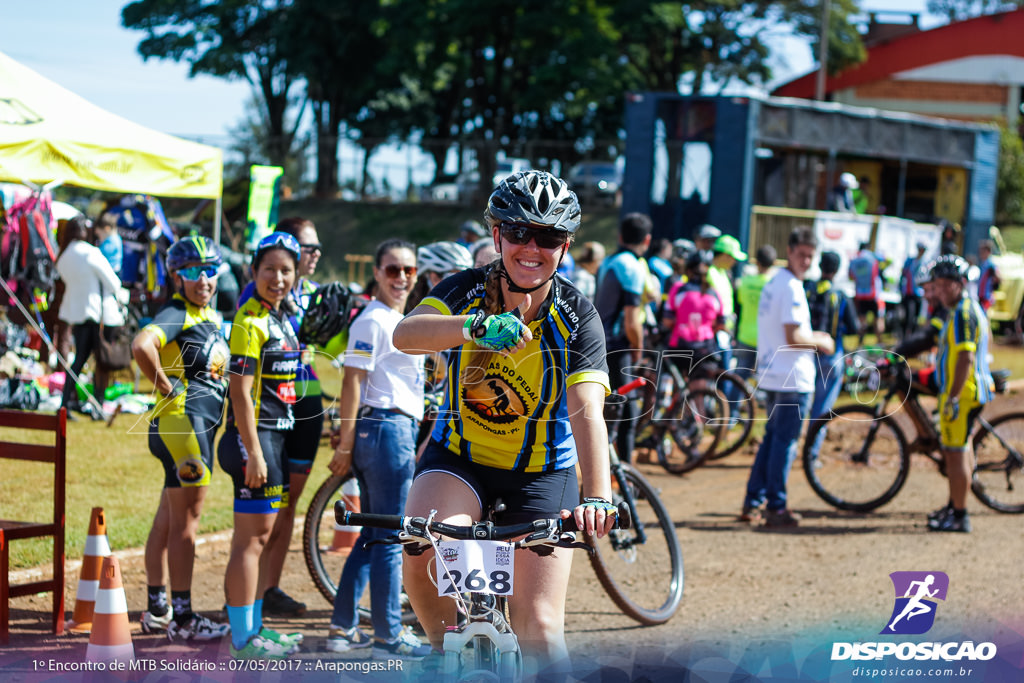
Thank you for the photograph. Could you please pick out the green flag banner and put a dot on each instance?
(264, 195)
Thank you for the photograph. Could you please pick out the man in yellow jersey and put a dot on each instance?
(965, 386)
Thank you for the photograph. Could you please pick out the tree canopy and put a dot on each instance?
(545, 79)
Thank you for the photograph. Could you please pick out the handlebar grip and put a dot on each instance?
(623, 520)
(345, 518)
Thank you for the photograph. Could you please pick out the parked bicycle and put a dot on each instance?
(482, 645)
(860, 457)
(641, 568)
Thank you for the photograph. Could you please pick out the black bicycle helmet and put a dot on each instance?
(949, 267)
(534, 197)
(194, 249)
(326, 315)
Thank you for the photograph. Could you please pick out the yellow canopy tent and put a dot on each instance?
(48, 133)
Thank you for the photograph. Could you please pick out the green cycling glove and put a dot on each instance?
(495, 332)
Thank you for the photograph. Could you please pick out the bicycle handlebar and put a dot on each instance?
(478, 530)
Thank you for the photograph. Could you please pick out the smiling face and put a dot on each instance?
(275, 276)
(527, 264)
(199, 292)
(310, 255)
(395, 276)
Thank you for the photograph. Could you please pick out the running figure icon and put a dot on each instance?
(916, 606)
(917, 594)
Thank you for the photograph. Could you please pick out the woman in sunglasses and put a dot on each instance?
(303, 440)
(526, 408)
(261, 393)
(184, 354)
(380, 408)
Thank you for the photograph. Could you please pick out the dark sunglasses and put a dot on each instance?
(393, 270)
(311, 248)
(195, 272)
(545, 238)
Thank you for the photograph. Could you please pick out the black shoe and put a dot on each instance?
(935, 516)
(279, 604)
(950, 522)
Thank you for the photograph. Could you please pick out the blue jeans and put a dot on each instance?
(827, 385)
(384, 459)
(786, 411)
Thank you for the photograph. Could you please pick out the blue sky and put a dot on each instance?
(81, 45)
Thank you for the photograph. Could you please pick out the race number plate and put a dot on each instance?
(474, 567)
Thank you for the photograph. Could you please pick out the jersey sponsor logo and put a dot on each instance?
(285, 366)
(190, 471)
(286, 392)
(495, 400)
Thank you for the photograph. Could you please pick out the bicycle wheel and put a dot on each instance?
(855, 460)
(740, 398)
(691, 431)
(641, 568)
(998, 479)
(324, 563)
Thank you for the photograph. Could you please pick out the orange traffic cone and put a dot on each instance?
(345, 536)
(110, 638)
(96, 548)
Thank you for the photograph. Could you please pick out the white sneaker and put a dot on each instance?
(198, 628)
(151, 623)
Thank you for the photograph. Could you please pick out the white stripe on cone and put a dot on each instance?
(97, 546)
(111, 601)
(96, 653)
(353, 529)
(87, 590)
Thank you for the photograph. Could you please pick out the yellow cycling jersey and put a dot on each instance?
(194, 356)
(263, 345)
(965, 330)
(517, 418)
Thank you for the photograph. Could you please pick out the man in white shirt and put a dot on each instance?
(786, 348)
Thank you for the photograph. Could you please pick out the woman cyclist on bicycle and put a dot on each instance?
(527, 406)
(184, 354)
(264, 358)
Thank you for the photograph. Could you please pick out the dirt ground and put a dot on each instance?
(759, 603)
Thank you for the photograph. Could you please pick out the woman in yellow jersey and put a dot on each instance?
(264, 359)
(184, 354)
(523, 406)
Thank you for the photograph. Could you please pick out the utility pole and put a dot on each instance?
(826, 11)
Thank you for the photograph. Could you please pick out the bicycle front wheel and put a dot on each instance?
(694, 427)
(998, 479)
(856, 461)
(641, 568)
(323, 559)
(740, 398)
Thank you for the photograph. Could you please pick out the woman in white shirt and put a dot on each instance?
(90, 294)
(380, 408)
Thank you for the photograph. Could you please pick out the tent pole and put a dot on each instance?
(216, 219)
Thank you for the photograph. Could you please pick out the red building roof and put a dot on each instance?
(995, 34)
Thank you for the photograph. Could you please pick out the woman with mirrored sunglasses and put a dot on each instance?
(184, 354)
(303, 440)
(523, 405)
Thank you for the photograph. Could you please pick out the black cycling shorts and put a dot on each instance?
(526, 495)
(231, 454)
(303, 440)
(184, 446)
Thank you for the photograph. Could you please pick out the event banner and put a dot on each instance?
(264, 195)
